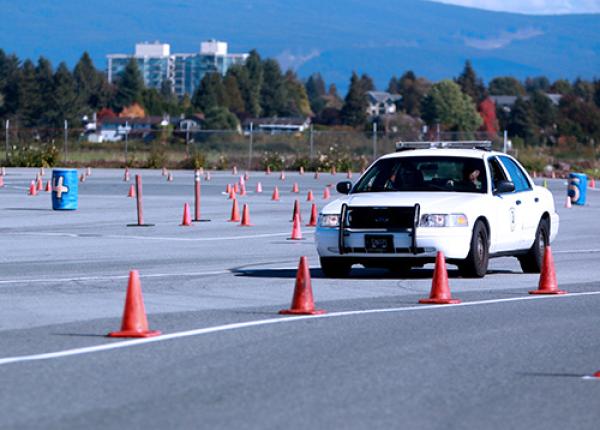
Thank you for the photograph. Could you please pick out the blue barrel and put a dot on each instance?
(64, 189)
(577, 188)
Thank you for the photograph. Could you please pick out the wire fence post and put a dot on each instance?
(312, 143)
(187, 138)
(66, 137)
(6, 138)
(250, 142)
(505, 146)
(374, 140)
(126, 140)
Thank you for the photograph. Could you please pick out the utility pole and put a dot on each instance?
(126, 140)
(250, 142)
(6, 139)
(66, 138)
(312, 143)
(374, 140)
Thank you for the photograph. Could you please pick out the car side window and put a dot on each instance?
(516, 174)
(496, 172)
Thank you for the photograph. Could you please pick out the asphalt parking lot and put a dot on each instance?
(502, 359)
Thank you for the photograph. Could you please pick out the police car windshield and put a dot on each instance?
(453, 174)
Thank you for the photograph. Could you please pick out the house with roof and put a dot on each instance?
(277, 125)
(382, 103)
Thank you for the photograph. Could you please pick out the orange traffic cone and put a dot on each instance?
(135, 323)
(259, 187)
(275, 195)
(309, 196)
(236, 188)
(282, 176)
(302, 302)
(235, 212)
(296, 211)
(32, 189)
(234, 170)
(440, 291)
(592, 183)
(301, 170)
(316, 175)
(568, 202)
(207, 176)
(82, 178)
(126, 176)
(295, 188)
(42, 171)
(164, 171)
(349, 175)
(246, 176)
(187, 217)
(131, 191)
(39, 185)
(48, 186)
(243, 190)
(313, 216)
(268, 170)
(548, 283)
(170, 177)
(333, 170)
(228, 189)
(326, 193)
(231, 193)
(245, 217)
(1, 181)
(296, 231)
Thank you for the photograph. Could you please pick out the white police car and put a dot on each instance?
(460, 198)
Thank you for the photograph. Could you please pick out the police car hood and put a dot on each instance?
(430, 202)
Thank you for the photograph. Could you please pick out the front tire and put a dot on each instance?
(335, 267)
(476, 263)
(532, 261)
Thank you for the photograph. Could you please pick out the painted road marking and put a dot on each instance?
(271, 321)
(182, 239)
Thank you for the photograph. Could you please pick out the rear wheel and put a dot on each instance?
(476, 263)
(532, 261)
(335, 267)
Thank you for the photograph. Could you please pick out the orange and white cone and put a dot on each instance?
(349, 174)
(316, 175)
(282, 176)
(333, 170)
(131, 192)
(88, 171)
(309, 196)
(164, 171)
(568, 204)
(170, 177)
(126, 176)
(135, 322)
(301, 170)
(32, 189)
(187, 217)
(313, 216)
(3, 171)
(295, 188)
(1, 181)
(234, 171)
(82, 177)
(207, 176)
(245, 217)
(39, 185)
(242, 189)
(302, 302)
(548, 283)
(592, 183)
(259, 187)
(235, 212)
(268, 170)
(275, 196)
(326, 193)
(440, 290)
(48, 186)
(296, 230)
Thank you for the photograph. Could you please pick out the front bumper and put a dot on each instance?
(454, 242)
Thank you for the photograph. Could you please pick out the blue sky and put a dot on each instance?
(544, 7)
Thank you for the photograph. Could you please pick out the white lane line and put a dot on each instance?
(280, 320)
(111, 277)
(577, 251)
(181, 239)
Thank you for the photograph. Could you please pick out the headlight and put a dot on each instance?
(329, 221)
(444, 220)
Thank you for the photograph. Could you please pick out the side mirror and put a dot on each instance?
(344, 187)
(504, 187)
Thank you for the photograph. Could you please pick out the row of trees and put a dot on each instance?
(36, 95)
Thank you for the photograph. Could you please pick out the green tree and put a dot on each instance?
(64, 104)
(255, 76)
(506, 86)
(273, 96)
(561, 86)
(219, 118)
(130, 86)
(93, 89)
(354, 111)
(366, 83)
(45, 86)
(153, 101)
(297, 99)
(210, 93)
(393, 85)
(412, 90)
(9, 84)
(470, 84)
(522, 121)
(233, 95)
(315, 90)
(539, 83)
(29, 97)
(447, 105)
(579, 119)
(544, 111)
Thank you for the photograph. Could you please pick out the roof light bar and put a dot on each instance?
(459, 144)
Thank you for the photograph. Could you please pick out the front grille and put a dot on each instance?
(380, 217)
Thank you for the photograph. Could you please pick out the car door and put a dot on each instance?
(528, 205)
(505, 212)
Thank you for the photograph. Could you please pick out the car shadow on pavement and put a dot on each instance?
(552, 374)
(28, 209)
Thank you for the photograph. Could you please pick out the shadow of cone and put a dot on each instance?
(302, 302)
(187, 217)
(548, 283)
(235, 212)
(275, 196)
(296, 231)
(313, 216)
(135, 323)
(245, 217)
(440, 290)
(131, 191)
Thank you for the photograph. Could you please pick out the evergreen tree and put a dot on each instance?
(561, 86)
(583, 89)
(29, 97)
(254, 68)
(506, 86)
(544, 112)
(9, 84)
(539, 83)
(130, 86)
(45, 86)
(210, 93)
(87, 81)
(233, 96)
(354, 111)
(273, 96)
(393, 86)
(64, 103)
(315, 91)
(412, 90)
(366, 83)
(447, 105)
(470, 84)
(522, 120)
(219, 118)
(297, 99)
(153, 101)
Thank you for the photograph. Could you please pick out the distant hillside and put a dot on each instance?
(382, 37)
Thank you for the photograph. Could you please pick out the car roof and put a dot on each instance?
(443, 152)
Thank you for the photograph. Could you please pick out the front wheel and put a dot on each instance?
(532, 261)
(335, 267)
(476, 263)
